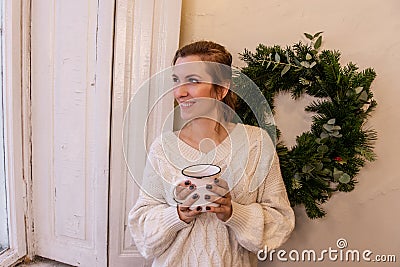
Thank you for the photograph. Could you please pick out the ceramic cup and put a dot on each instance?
(201, 175)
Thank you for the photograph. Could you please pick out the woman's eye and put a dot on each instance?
(175, 80)
(193, 80)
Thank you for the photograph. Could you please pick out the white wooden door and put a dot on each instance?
(71, 104)
(146, 37)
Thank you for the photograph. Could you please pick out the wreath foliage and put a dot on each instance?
(328, 157)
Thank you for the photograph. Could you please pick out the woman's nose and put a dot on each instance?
(180, 91)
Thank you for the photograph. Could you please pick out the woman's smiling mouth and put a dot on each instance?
(186, 104)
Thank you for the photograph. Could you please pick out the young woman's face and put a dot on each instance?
(193, 89)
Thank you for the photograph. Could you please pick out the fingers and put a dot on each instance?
(220, 209)
(190, 201)
(184, 189)
(192, 213)
(219, 194)
(188, 215)
(223, 212)
(222, 183)
(217, 199)
(184, 211)
(218, 189)
(223, 198)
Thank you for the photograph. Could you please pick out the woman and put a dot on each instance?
(167, 226)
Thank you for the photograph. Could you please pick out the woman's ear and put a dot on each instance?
(224, 91)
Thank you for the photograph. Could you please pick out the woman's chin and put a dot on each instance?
(186, 117)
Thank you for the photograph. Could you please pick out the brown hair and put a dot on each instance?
(213, 52)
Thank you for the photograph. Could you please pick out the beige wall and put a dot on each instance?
(368, 34)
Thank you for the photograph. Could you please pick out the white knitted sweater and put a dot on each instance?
(261, 211)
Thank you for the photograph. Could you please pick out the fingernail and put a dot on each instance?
(209, 186)
(187, 182)
(216, 180)
(195, 196)
(191, 187)
(198, 208)
(207, 197)
(208, 208)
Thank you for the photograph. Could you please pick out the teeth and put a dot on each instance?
(187, 104)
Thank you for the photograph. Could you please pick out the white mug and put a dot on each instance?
(200, 175)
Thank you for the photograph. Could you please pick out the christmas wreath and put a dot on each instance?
(328, 157)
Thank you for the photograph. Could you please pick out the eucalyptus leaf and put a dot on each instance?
(350, 92)
(317, 34)
(305, 64)
(335, 133)
(324, 140)
(285, 69)
(277, 58)
(337, 175)
(323, 149)
(328, 127)
(318, 43)
(358, 90)
(313, 64)
(363, 96)
(337, 171)
(327, 172)
(332, 121)
(309, 36)
(307, 168)
(319, 166)
(337, 128)
(287, 56)
(345, 178)
(323, 136)
(269, 64)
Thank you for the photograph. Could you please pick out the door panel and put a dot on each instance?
(71, 105)
(147, 35)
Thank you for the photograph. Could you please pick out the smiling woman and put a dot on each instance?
(239, 207)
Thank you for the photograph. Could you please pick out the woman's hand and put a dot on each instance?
(182, 191)
(221, 188)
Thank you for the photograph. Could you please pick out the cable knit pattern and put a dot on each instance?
(261, 211)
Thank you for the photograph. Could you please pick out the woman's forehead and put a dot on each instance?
(189, 66)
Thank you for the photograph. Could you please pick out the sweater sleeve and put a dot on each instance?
(153, 223)
(270, 220)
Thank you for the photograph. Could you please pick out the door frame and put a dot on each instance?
(16, 71)
(146, 37)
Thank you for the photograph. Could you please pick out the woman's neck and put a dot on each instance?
(204, 134)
